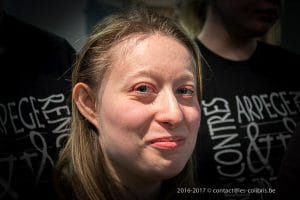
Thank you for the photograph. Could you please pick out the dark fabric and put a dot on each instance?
(35, 84)
(249, 111)
(289, 174)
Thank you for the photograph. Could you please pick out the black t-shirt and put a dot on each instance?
(34, 114)
(289, 174)
(249, 111)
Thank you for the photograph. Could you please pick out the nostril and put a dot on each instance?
(170, 125)
(174, 117)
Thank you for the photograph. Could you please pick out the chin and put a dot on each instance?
(172, 170)
(262, 29)
(257, 33)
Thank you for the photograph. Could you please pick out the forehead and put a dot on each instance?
(151, 49)
(156, 57)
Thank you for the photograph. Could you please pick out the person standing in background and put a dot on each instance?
(251, 102)
(33, 106)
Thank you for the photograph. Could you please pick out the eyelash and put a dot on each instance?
(146, 89)
(140, 89)
(185, 91)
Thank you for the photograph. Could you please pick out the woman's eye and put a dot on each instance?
(185, 91)
(143, 89)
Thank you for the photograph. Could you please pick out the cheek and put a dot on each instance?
(124, 116)
(122, 125)
(193, 118)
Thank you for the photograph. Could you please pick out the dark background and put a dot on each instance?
(73, 19)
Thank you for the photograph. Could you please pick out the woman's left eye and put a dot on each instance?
(185, 91)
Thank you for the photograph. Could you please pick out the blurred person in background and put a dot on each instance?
(251, 101)
(33, 106)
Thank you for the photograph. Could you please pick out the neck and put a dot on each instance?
(135, 185)
(221, 41)
(140, 189)
(146, 192)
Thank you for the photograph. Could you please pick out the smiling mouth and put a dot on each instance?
(167, 143)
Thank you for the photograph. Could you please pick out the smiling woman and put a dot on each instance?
(136, 112)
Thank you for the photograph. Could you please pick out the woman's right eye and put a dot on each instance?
(143, 89)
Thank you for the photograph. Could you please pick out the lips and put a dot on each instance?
(167, 142)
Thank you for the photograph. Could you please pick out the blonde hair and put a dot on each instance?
(81, 168)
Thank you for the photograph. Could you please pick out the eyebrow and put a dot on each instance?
(186, 76)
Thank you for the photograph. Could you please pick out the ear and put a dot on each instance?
(85, 102)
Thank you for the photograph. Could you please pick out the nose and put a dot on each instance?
(169, 110)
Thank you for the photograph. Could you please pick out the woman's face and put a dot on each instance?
(148, 114)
